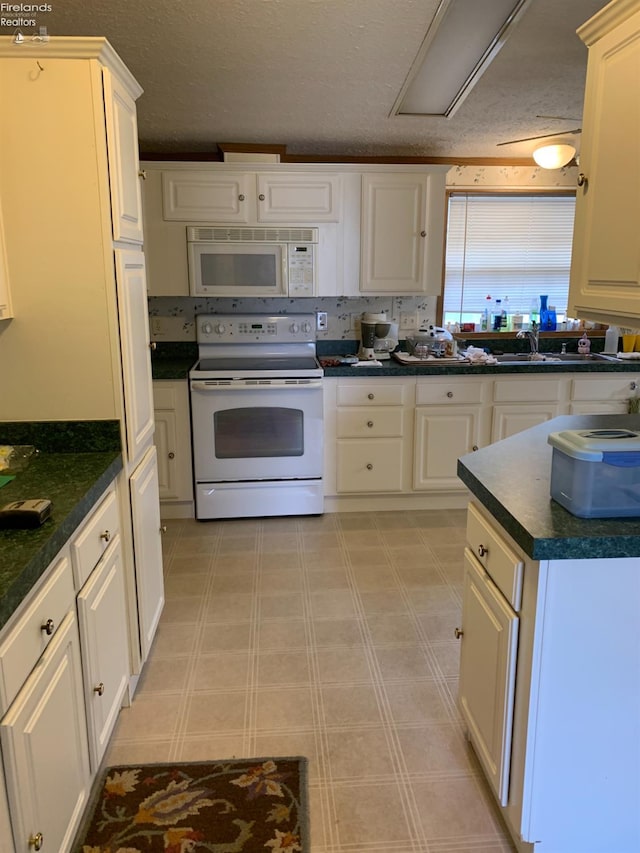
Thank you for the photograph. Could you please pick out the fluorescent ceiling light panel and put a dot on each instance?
(464, 37)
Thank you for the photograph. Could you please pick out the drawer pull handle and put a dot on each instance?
(371, 396)
(369, 466)
(48, 627)
(369, 424)
(36, 841)
(99, 689)
(633, 386)
(449, 394)
(482, 550)
(106, 536)
(171, 455)
(241, 197)
(458, 633)
(475, 447)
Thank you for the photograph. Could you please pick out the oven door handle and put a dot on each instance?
(203, 385)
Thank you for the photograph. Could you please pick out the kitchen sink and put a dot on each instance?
(551, 358)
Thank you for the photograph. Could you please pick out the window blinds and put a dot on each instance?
(514, 246)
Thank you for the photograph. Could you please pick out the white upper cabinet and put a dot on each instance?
(122, 139)
(605, 273)
(216, 195)
(402, 232)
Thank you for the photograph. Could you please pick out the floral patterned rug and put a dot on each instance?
(230, 806)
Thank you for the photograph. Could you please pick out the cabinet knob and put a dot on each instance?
(163, 528)
(423, 233)
(482, 550)
(106, 535)
(153, 346)
(99, 689)
(261, 196)
(449, 394)
(241, 197)
(633, 386)
(458, 633)
(143, 174)
(48, 627)
(369, 466)
(475, 447)
(371, 396)
(36, 841)
(171, 454)
(369, 424)
(582, 180)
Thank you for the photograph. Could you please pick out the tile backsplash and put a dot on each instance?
(173, 318)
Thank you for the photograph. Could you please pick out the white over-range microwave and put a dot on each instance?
(237, 261)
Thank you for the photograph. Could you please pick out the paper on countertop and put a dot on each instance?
(628, 355)
(370, 362)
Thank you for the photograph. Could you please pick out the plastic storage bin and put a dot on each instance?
(596, 473)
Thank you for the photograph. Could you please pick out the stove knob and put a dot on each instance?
(294, 328)
(306, 328)
(206, 328)
(220, 328)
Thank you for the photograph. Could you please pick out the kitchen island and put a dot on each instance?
(550, 656)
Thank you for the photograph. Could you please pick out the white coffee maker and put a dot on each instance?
(372, 327)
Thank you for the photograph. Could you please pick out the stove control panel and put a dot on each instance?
(255, 328)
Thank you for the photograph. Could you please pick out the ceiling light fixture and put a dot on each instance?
(554, 156)
(463, 38)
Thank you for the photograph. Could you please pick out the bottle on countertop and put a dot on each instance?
(611, 340)
(486, 315)
(506, 316)
(497, 316)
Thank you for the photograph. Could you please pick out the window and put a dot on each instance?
(509, 247)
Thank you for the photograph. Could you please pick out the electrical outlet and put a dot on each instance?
(157, 326)
(321, 321)
(408, 320)
(355, 322)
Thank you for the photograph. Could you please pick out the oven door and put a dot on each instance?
(257, 429)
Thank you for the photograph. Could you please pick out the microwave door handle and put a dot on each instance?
(285, 270)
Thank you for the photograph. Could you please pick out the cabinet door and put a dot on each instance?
(508, 420)
(5, 298)
(487, 673)
(442, 434)
(402, 233)
(44, 747)
(173, 440)
(298, 198)
(194, 196)
(124, 168)
(134, 341)
(147, 548)
(605, 269)
(102, 617)
(371, 465)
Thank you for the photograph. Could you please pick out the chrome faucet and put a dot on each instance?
(533, 335)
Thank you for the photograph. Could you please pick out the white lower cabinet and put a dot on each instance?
(550, 691)
(603, 395)
(519, 405)
(44, 748)
(147, 546)
(173, 443)
(102, 615)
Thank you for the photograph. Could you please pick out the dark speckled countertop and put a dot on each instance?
(75, 463)
(511, 478)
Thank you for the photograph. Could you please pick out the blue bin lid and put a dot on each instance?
(595, 445)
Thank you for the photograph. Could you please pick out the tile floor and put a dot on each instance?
(330, 637)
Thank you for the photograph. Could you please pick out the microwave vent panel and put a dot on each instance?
(212, 234)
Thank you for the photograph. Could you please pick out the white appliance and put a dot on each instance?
(257, 416)
(237, 261)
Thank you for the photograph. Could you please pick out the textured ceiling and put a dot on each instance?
(321, 76)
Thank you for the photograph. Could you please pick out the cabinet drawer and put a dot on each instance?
(370, 466)
(448, 392)
(93, 539)
(528, 390)
(501, 563)
(591, 388)
(370, 423)
(371, 394)
(28, 638)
